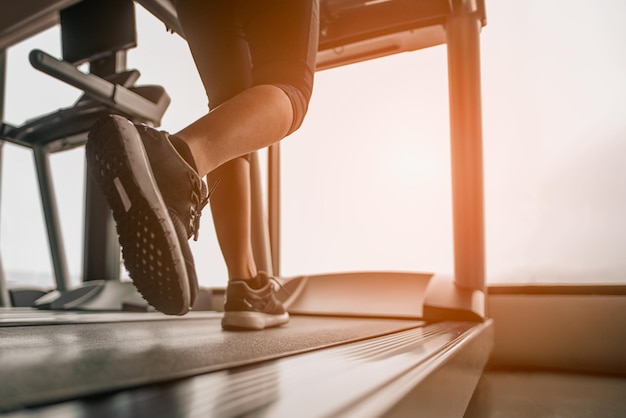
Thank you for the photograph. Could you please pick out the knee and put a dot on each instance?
(300, 97)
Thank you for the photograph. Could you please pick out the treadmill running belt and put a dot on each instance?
(49, 363)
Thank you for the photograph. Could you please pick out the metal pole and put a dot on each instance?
(5, 299)
(101, 254)
(260, 234)
(463, 32)
(273, 196)
(101, 257)
(51, 213)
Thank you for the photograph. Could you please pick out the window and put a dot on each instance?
(366, 183)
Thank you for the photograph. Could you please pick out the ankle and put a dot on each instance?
(255, 282)
(183, 149)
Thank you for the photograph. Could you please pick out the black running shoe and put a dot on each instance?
(246, 308)
(184, 200)
(152, 230)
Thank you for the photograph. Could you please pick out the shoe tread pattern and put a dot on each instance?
(147, 242)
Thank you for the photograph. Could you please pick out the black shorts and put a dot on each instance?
(237, 44)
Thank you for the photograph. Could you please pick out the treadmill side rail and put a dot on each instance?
(446, 300)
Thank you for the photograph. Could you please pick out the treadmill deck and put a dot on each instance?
(149, 364)
(55, 356)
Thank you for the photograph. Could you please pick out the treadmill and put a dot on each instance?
(359, 344)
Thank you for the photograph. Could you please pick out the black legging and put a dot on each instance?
(237, 44)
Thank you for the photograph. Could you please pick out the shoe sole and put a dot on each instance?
(147, 136)
(238, 321)
(151, 251)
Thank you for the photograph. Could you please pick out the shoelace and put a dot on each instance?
(199, 199)
(268, 301)
(276, 282)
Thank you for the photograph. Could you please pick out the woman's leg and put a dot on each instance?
(221, 53)
(257, 60)
(253, 119)
(244, 117)
(230, 207)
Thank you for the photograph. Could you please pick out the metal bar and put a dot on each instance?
(51, 213)
(101, 256)
(463, 47)
(273, 206)
(260, 233)
(165, 11)
(3, 70)
(116, 96)
(28, 18)
(66, 72)
(5, 299)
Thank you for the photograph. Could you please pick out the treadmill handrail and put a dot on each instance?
(113, 95)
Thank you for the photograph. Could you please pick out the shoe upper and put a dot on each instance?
(183, 191)
(181, 187)
(242, 297)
